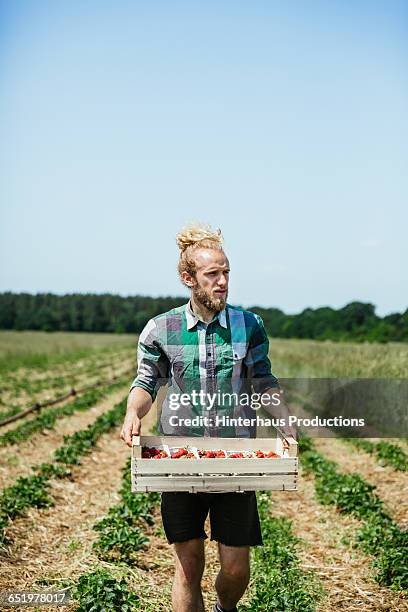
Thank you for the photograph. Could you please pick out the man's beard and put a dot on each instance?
(213, 304)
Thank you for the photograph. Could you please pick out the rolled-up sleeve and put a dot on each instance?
(259, 368)
(152, 362)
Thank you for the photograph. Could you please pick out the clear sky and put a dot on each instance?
(283, 123)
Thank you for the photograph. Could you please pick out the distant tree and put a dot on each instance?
(113, 313)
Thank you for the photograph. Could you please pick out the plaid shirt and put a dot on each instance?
(227, 355)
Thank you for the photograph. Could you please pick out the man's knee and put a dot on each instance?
(239, 573)
(190, 561)
(235, 563)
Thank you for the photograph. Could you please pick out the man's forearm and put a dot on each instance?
(274, 404)
(139, 402)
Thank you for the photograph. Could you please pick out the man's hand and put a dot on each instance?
(131, 427)
(288, 432)
(280, 410)
(138, 404)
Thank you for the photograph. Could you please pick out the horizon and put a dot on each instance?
(179, 297)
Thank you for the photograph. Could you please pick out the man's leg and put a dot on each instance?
(233, 577)
(189, 566)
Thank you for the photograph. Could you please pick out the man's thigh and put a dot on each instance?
(184, 515)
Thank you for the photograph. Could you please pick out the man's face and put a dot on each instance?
(211, 280)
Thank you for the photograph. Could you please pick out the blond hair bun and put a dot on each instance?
(193, 237)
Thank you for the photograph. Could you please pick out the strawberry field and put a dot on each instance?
(69, 521)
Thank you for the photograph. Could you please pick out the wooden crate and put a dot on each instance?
(216, 475)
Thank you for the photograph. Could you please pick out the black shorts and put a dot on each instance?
(234, 518)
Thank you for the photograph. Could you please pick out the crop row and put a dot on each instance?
(33, 491)
(48, 417)
(54, 383)
(278, 582)
(387, 453)
(379, 536)
(120, 536)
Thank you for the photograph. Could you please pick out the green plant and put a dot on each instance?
(100, 591)
(387, 452)
(278, 581)
(379, 536)
(120, 536)
(32, 491)
(49, 416)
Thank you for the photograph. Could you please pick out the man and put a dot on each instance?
(204, 344)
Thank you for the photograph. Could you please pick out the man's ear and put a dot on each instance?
(188, 279)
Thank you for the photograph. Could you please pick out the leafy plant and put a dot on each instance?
(33, 491)
(279, 583)
(49, 416)
(120, 535)
(379, 536)
(387, 452)
(100, 591)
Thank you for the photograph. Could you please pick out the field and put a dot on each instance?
(67, 518)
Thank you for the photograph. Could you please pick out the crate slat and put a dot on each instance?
(214, 484)
(217, 466)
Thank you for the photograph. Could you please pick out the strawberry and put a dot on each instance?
(271, 455)
(179, 453)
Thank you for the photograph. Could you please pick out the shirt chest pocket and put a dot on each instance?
(239, 353)
(231, 358)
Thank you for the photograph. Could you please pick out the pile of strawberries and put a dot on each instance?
(261, 455)
(184, 453)
(211, 454)
(153, 453)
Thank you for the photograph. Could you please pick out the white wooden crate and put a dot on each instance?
(217, 475)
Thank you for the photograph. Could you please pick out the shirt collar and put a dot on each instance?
(192, 318)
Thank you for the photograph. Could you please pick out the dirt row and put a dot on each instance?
(16, 460)
(61, 369)
(327, 549)
(391, 485)
(73, 379)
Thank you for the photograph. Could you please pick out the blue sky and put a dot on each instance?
(284, 124)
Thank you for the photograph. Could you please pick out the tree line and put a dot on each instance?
(113, 313)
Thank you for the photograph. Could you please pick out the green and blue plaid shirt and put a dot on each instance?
(227, 355)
